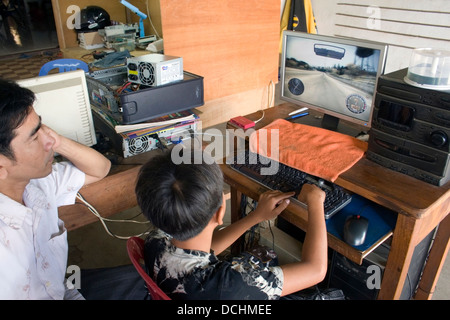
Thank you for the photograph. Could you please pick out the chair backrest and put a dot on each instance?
(63, 65)
(135, 248)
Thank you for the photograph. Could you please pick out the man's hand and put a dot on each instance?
(88, 160)
(52, 134)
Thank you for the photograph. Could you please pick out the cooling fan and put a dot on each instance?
(139, 145)
(154, 69)
(146, 73)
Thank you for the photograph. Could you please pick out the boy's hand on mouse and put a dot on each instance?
(271, 204)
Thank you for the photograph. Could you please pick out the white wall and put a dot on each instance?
(403, 24)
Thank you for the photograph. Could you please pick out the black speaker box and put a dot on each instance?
(411, 129)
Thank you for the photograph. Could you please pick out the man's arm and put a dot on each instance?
(92, 163)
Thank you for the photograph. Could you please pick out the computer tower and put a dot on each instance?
(352, 278)
(126, 146)
(147, 102)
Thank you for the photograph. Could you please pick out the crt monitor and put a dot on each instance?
(62, 101)
(335, 76)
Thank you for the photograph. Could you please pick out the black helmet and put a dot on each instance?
(93, 18)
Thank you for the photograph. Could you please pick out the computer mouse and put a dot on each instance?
(355, 230)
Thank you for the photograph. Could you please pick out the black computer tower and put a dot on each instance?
(352, 278)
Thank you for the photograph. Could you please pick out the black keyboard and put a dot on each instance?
(278, 176)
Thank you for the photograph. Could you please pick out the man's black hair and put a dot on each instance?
(15, 104)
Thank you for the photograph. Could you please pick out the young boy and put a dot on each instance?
(186, 204)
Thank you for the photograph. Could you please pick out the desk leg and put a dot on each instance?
(402, 249)
(436, 259)
(235, 200)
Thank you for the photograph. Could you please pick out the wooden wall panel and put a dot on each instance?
(233, 44)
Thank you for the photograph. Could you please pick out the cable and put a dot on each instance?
(262, 117)
(270, 97)
(273, 235)
(150, 20)
(103, 220)
(126, 85)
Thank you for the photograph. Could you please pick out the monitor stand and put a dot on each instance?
(331, 123)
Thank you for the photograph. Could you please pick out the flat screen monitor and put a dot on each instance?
(335, 76)
(62, 101)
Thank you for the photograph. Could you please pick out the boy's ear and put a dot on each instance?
(220, 213)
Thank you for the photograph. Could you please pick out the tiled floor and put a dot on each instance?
(25, 65)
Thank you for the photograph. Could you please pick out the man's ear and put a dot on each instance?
(3, 171)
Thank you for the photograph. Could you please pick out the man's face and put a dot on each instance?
(32, 149)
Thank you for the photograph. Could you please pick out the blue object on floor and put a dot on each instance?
(63, 65)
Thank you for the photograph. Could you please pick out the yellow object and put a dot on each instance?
(309, 23)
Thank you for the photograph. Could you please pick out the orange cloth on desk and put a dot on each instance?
(316, 151)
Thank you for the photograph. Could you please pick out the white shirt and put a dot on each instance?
(33, 240)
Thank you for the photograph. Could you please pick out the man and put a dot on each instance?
(186, 203)
(33, 242)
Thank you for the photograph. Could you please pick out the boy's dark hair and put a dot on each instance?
(180, 199)
(15, 104)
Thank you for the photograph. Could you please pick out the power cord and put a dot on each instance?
(150, 20)
(273, 235)
(103, 220)
(271, 98)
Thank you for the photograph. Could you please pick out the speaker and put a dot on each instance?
(411, 129)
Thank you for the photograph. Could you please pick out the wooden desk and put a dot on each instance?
(421, 207)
